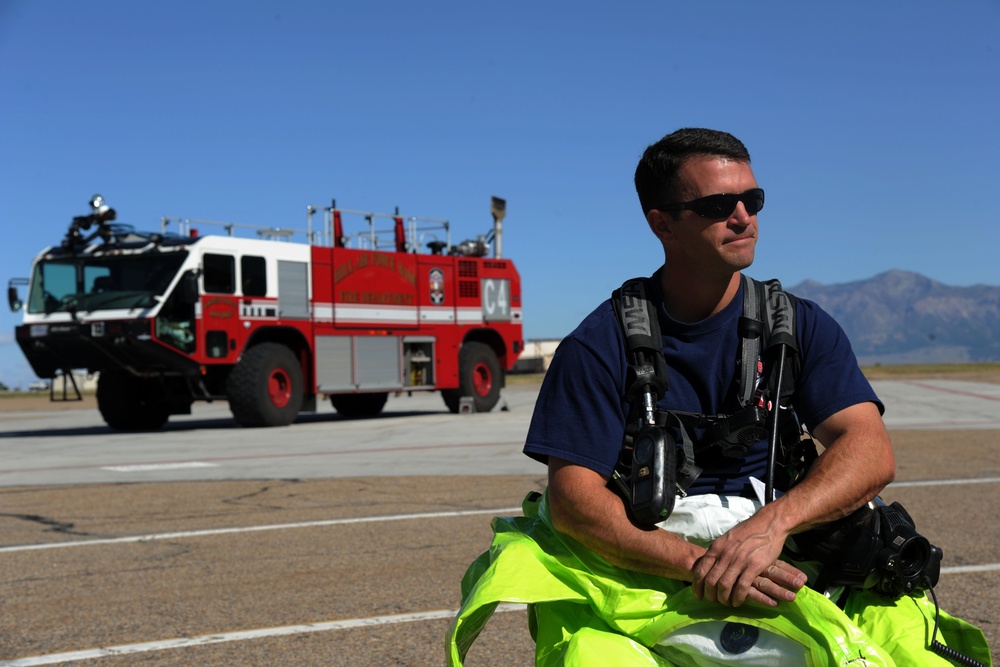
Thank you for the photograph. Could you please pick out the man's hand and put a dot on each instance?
(743, 564)
(856, 464)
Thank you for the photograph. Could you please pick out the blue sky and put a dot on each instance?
(873, 126)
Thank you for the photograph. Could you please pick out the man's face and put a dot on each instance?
(721, 245)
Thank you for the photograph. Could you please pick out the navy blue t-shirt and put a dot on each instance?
(580, 414)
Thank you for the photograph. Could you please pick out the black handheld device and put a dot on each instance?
(646, 471)
(649, 483)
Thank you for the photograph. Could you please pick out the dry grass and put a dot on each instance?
(984, 372)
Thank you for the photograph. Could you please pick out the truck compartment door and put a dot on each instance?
(293, 290)
(358, 363)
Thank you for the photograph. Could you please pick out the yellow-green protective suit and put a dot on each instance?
(585, 612)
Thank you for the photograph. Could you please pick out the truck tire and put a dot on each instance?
(127, 404)
(479, 376)
(265, 387)
(358, 406)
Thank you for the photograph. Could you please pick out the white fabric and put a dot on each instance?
(703, 645)
(701, 519)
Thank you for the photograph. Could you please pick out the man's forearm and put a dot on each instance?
(855, 466)
(597, 519)
(584, 508)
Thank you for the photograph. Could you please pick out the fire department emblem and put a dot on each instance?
(436, 281)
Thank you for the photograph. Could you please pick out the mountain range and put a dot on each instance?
(901, 317)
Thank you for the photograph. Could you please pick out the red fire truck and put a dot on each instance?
(268, 324)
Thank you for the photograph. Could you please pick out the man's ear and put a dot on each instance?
(660, 223)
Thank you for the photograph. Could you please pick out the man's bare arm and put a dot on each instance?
(584, 508)
(855, 466)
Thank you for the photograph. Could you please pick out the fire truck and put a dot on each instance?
(269, 324)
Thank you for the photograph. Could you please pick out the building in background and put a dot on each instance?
(537, 355)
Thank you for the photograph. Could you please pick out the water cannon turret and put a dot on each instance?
(479, 247)
(100, 214)
(100, 211)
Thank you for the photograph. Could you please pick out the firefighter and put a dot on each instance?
(605, 590)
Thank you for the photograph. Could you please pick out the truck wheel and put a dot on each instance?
(127, 404)
(479, 376)
(265, 386)
(357, 406)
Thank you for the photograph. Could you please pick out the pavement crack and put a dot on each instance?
(259, 494)
(54, 526)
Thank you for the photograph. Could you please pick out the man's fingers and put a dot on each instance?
(766, 592)
(777, 583)
(717, 583)
(774, 589)
(785, 574)
(746, 583)
(698, 588)
(702, 569)
(759, 596)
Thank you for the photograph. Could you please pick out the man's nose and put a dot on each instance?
(740, 216)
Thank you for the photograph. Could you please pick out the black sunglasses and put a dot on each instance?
(720, 206)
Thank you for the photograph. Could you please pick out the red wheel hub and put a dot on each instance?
(482, 379)
(279, 388)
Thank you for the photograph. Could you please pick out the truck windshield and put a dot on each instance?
(93, 283)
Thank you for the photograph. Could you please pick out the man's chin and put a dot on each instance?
(741, 253)
(741, 262)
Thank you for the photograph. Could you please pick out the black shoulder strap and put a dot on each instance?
(637, 315)
(780, 329)
(645, 385)
(751, 328)
(767, 331)
(768, 321)
(790, 453)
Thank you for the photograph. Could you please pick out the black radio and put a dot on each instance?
(648, 474)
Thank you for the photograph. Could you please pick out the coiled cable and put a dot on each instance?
(942, 650)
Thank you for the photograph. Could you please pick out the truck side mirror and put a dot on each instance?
(14, 299)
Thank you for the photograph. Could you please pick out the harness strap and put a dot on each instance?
(647, 369)
(766, 329)
(780, 331)
(687, 471)
(750, 329)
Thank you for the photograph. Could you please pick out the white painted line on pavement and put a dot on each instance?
(966, 569)
(167, 644)
(369, 519)
(143, 467)
(262, 633)
(946, 482)
(254, 529)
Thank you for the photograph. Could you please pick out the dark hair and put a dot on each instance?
(656, 180)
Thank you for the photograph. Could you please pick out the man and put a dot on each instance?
(581, 414)
(604, 591)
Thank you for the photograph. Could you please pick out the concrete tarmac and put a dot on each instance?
(336, 542)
